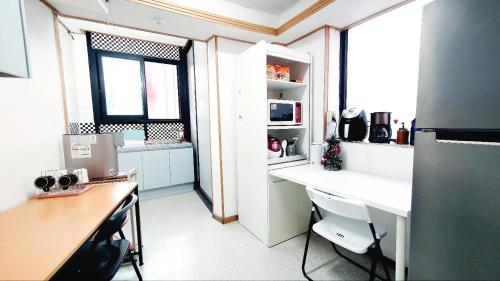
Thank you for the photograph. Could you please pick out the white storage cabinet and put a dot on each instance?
(272, 209)
(130, 160)
(160, 168)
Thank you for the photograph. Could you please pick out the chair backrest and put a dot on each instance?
(349, 208)
(115, 222)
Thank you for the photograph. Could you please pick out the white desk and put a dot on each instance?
(393, 196)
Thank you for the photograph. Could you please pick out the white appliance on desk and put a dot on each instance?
(272, 209)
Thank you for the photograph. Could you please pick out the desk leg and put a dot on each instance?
(400, 248)
(138, 225)
(132, 228)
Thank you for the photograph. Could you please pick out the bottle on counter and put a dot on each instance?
(402, 135)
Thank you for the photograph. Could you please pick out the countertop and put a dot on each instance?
(156, 146)
(390, 195)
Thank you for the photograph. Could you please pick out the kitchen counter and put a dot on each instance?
(156, 146)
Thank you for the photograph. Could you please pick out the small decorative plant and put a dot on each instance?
(331, 158)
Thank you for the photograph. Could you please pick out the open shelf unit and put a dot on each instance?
(283, 85)
(259, 192)
(295, 127)
(299, 70)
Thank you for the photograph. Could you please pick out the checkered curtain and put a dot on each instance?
(134, 46)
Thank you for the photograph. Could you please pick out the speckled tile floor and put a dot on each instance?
(183, 242)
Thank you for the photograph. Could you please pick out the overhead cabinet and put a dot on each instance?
(13, 49)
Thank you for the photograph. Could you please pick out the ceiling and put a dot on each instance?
(274, 7)
(337, 13)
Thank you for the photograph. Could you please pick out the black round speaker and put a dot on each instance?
(67, 180)
(45, 182)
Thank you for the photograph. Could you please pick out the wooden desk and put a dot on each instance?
(393, 196)
(39, 236)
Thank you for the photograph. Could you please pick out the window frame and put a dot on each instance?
(99, 94)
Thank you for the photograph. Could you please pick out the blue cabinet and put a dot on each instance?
(13, 49)
(156, 168)
(181, 166)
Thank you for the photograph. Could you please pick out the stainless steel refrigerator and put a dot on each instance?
(455, 219)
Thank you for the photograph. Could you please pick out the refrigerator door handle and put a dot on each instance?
(468, 142)
(480, 137)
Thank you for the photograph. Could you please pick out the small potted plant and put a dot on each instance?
(331, 159)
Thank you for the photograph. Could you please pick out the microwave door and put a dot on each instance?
(281, 113)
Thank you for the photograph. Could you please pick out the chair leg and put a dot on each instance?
(122, 236)
(382, 260)
(309, 230)
(131, 257)
(136, 269)
(373, 267)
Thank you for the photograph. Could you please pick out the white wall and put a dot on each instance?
(31, 113)
(315, 44)
(66, 44)
(334, 71)
(214, 127)
(222, 87)
(76, 76)
(82, 79)
(228, 51)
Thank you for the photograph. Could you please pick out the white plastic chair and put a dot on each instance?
(347, 223)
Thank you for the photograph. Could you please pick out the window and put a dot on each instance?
(122, 98)
(161, 90)
(138, 89)
(382, 63)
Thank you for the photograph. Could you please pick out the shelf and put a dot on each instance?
(286, 127)
(283, 85)
(288, 164)
(286, 159)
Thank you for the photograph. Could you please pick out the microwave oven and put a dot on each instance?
(284, 112)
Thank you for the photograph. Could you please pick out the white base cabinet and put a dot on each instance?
(156, 168)
(130, 160)
(289, 211)
(159, 168)
(181, 166)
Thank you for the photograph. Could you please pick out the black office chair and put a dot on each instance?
(101, 257)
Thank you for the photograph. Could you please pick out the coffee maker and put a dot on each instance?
(380, 127)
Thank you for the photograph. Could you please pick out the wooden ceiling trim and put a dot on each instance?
(163, 5)
(311, 10)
